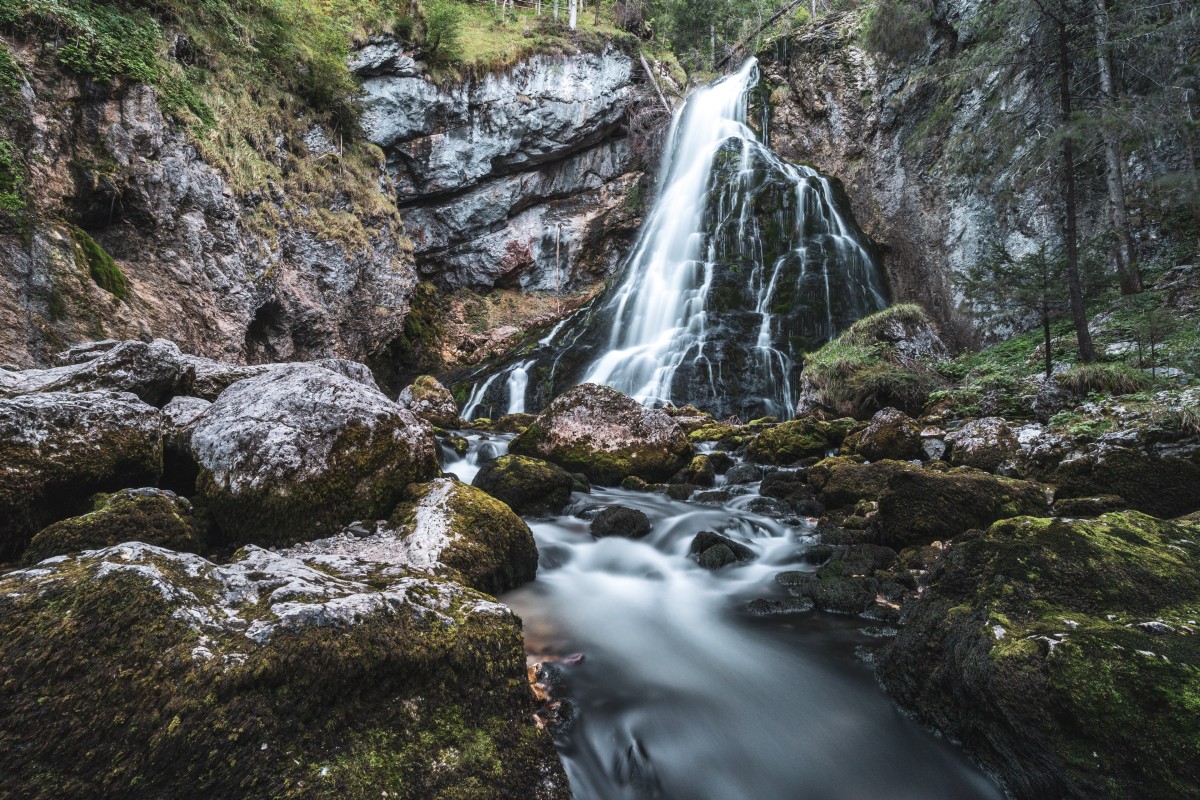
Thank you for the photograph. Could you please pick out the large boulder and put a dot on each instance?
(301, 451)
(1063, 655)
(138, 672)
(985, 444)
(213, 377)
(628, 523)
(149, 515)
(430, 401)
(57, 449)
(607, 436)
(917, 505)
(529, 486)
(154, 371)
(455, 530)
(890, 434)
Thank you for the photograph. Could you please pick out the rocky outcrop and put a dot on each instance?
(57, 449)
(154, 371)
(303, 450)
(607, 436)
(514, 178)
(270, 676)
(430, 401)
(1062, 654)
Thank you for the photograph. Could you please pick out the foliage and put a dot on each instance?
(443, 30)
(12, 178)
(899, 29)
(10, 74)
(1114, 379)
(104, 271)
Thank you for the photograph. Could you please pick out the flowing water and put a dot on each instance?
(683, 695)
(745, 263)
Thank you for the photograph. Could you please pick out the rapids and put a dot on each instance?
(684, 695)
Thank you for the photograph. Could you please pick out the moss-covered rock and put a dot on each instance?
(58, 449)
(299, 452)
(621, 521)
(699, 472)
(890, 434)
(917, 505)
(985, 444)
(430, 401)
(607, 436)
(852, 580)
(457, 530)
(529, 486)
(883, 360)
(1062, 654)
(714, 550)
(153, 516)
(1165, 481)
(789, 442)
(513, 423)
(138, 672)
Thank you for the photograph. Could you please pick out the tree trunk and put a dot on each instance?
(1046, 336)
(573, 12)
(1127, 262)
(596, 19)
(1087, 352)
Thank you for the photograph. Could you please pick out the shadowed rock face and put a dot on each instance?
(514, 178)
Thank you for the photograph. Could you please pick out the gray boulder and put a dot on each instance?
(430, 401)
(983, 443)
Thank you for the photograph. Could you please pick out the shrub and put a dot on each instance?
(443, 30)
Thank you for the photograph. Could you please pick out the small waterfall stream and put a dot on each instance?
(745, 263)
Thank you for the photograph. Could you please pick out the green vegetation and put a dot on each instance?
(1086, 379)
(12, 178)
(443, 30)
(105, 272)
(898, 29)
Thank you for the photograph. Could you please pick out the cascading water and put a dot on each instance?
(745, 263)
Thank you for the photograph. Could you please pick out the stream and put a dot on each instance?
(682, 694)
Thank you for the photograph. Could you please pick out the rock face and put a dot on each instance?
(515, 178)
(270, 676)
(1041, 644)
(198, 270)
(607, 436)
(152, 516)
(58, 449)
(430, 401)
(457, 530)
(302, 450)
(528, 485)
(154, 371)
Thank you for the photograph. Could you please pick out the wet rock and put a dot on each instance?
(985, 444)
(1019, 648)
(713, 550)
(890, 434)
(487, 452)
(743, 473)
(699, 472)
(301, 451)
(680, 491)
(770, 607)
(792, 489)
(430, 401)
(266, 672)
(607, 436)
(152, 516)
(793, 441)
(60, 448)
(621, 521)
(513, 423)
(580, 483)
(529, 486)
(153, 371)
(714, 497)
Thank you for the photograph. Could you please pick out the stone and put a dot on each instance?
(890, 434)
(743, 473)
(789, 442)
(430, 401)
(149, 515)
(793, 490)
(154, 371)
(179, 418)
(607, 436)
(621, 521)
(770, 607)
(529, 486)
(60, 448)
(299, 452)
(263, 674)
(985, 444)
(714, 550)
(1020, 647)
(699, 472)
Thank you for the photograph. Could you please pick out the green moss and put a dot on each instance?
(528, 485)
(104, 271)
(792, 441)
(122, 517)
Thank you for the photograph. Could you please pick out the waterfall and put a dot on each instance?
(736, 232)
(518, 380)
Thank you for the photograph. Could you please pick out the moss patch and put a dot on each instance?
(141, 516)
(104, 271)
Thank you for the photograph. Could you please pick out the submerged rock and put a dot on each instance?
(607, 436)
(270, 676)
(621, 521)
(528, 485)
(430, 401)
(301, 451)
(58, 449)
(152, 516)
(1024, 646)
